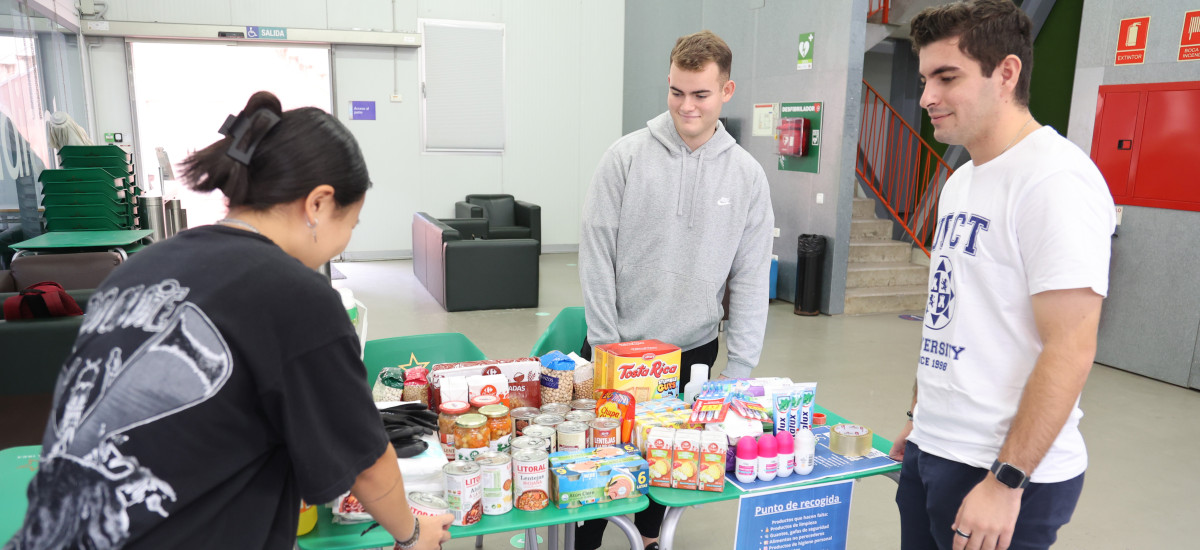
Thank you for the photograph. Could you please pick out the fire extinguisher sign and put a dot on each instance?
(1131, 41)
(804, 157)
(1189, 43)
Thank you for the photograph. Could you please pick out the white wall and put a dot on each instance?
(563, 83)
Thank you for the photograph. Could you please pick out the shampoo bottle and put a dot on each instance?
(768, 457)
(746, 459)
(806, 451)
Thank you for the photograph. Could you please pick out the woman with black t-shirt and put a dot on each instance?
(216, 380)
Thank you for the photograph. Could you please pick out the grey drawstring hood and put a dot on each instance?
(664, 228)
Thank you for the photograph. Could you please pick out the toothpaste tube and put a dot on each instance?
(806, 394)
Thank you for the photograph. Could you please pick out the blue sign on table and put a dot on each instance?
(815, 517)
(362, 110)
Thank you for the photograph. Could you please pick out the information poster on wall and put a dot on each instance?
(804, 53)
(809, 159)
(764, 119)
(815, 517)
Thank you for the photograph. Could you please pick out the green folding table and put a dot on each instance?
(17, 466)
(330, 536)
(678, 500)
(78, 241)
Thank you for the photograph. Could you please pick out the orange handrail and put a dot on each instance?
(903, 171)
(877, 6)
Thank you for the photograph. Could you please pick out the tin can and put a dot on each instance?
(523, 416)
(605, 432)
(464, 491)
(531, 479)
(496, 470)
(427, 504)
(580, 416)
(546, 433)
(556, 408)
(572, 436)
(528, 442)
(584, 405)
(551, 420)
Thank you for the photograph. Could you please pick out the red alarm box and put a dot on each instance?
(795, 133)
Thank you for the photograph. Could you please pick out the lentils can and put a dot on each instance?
(523, 416)
(496, 470)
(427, 504)
(464, 491)
(572, 436)
(547, 433)
(531, 479)
(605, 432)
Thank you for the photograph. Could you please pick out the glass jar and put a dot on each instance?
(470, 436)
(481, 401)
(447, 416)
(499, 427)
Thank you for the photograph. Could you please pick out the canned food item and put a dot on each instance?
(496, 470)
(499, 427)
(427, 504)
(580, 416)
(605, 432)
(572, 436)
(556, 408)
(551, 420)
(584, 405)
(528, 442)
(523, 416)
(470, 436)
(448, 415)
(547, 433)
(531, 479)
(464, 491)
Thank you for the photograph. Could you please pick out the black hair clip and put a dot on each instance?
(237, 127)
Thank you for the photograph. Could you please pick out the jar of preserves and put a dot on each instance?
(499, 427)
(448, 415)
(470, 436)
(480, 401)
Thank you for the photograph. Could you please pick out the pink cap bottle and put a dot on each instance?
(787, 453)
(746, 459)
(768, 457)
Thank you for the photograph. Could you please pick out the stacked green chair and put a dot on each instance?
(94, 190)
(566, 333)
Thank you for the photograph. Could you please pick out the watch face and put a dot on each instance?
(1010, 475)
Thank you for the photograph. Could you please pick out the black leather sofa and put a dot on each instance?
(507, 218)
(464, 271)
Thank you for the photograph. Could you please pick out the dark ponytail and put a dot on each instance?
(291, 153)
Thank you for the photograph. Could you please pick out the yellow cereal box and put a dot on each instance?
(648, 369)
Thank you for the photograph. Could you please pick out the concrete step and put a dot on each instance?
(871, 229)
(879, 251)
(864, 209)
(879, 274)
(860, 301)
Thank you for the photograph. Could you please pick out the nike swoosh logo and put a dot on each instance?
(724, 201)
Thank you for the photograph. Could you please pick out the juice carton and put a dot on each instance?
(648, 369)
(659, 456)
(713, 448)
(686, 460)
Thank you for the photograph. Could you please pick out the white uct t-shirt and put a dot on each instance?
(1038, 217)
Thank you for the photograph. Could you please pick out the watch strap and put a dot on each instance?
(412, 541)
(997, 466)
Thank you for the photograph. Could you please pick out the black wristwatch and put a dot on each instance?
(412, 541)
(1011, 476)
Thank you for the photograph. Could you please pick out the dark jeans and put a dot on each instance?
(648, 521)
(932, 489)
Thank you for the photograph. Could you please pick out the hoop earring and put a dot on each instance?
(313, 227)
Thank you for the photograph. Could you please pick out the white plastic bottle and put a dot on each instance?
(699, 377)
(806, 451)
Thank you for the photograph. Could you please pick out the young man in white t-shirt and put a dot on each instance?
(992, 454)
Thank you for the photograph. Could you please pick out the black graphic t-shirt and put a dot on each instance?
(215, 382)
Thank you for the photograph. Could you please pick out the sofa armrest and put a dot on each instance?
(529, 215)
(491, 274)
(7, 284)
(468, 228)
(464, 209)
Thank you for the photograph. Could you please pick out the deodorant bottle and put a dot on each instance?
(768, 457)
(787, 453)
(746, 459)
(806, 451)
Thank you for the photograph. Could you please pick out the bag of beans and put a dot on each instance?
(558, 378)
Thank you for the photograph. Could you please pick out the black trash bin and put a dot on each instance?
(810, 264)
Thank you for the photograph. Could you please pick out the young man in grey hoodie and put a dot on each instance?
(675, 211)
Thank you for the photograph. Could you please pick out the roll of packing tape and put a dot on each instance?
(850, 439)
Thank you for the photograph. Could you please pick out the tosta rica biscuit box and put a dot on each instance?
(647, 369)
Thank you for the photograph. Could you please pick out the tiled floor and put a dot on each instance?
(1142, 489)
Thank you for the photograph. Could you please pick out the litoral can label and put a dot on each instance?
(496, 470)
(531, 479)
(427, 504)
(464, 491)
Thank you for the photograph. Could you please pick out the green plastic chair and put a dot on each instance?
(17, 467)
(424, 350)
(566, 333)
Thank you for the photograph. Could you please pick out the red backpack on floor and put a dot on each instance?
(42, 300)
